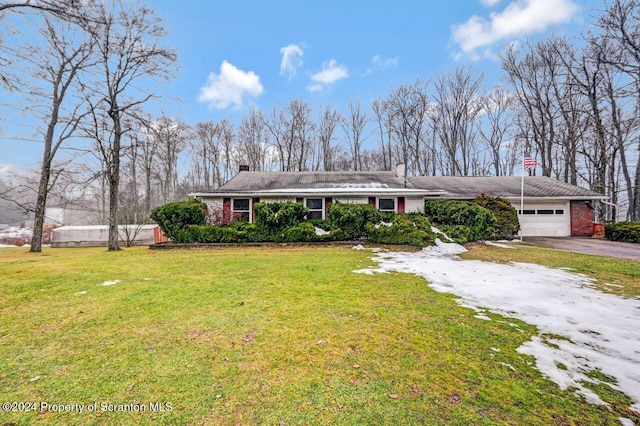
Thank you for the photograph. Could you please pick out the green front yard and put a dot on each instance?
(262, 336)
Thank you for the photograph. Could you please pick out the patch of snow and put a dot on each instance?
(611, 285)
(437, 231)
(482, 317)
(110, 282)
(626, 422)
(320, 231)
(80, 293)
(443, 249)
(500, 245)
(387, 224)
(495, 349)
(370, 271)
(600, 331)
(358, 247)
(509, 366)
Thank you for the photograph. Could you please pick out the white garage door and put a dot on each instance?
(545, 220)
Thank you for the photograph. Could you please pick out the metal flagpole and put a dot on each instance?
(522, 196)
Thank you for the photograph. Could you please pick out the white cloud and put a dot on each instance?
(384, 63)
(519, 18)
(489, 3)
(291, 59)
(379, 63)
(230, 87)
(331, 72)
(7, 169)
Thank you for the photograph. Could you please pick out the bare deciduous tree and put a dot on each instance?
(55, 68)
(328, 122)
(458, 106)
(620, 32)
(497, 107)
(252, 144)
(127, 37)
(170, 135)
(353, 127)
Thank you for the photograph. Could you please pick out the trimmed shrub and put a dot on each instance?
(323, 224)
(411, 229)
(303, 232)
(205, 233)
(276, 217)
(458, 233)
(352, 218)
(507, 224)
(173, 218)
(628, 232)
(479, 220)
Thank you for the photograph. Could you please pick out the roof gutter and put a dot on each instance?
(379, 192)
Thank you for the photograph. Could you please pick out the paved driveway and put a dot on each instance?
(596, 246)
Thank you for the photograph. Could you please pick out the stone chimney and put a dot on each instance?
(400, 171)
(243, 168)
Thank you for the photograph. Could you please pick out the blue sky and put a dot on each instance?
(244, 54)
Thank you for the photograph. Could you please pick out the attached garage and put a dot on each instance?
(551, 208)
(545, 219)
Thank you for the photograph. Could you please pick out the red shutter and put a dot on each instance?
(400, 204)
(253, 213)
(327, 203)
(226, 211)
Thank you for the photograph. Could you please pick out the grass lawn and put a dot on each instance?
(264, 336)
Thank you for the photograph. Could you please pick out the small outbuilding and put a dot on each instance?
(98, 235)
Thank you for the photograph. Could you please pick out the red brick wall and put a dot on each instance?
(581, 219)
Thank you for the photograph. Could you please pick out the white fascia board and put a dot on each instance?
(322, 191)
(557, 199)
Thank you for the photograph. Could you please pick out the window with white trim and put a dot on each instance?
(316, 208)
(241, 209)
(387, 205)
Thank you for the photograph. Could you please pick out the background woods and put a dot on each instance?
(573, 103)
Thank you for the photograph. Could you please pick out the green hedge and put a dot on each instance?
(623, 231)
(174, 218)
(276, 217)
(479, 220)
(507, 224)
(412, 229)
(352, 219)
(458, 233)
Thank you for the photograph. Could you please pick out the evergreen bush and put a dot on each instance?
(352, 218)
(507, 224)
(623, 231)
(479, 220)
(276, 217)
(174, 218)
(411, 229)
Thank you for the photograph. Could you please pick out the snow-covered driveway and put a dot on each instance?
(602, 330)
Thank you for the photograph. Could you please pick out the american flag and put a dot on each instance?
(529, 162)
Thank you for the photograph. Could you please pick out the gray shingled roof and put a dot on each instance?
(461, 187)
(265, 181)
(505, 186)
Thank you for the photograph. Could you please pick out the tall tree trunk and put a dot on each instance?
(114, 181)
